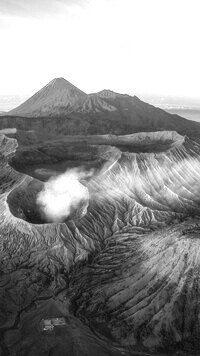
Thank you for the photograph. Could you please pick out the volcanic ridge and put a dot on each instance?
(60, 108)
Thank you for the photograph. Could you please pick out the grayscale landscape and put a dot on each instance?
(99, 183)
(121, 265)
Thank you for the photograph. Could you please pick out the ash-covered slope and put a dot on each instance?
(57, 94)
(124, 275)
(60, 97)
(61, 108)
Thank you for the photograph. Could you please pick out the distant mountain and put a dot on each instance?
(68, 110)
(57, 94)
(61, 97)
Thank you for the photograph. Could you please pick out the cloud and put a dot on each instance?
(36, 8)
(8, 102)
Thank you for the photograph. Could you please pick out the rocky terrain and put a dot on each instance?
(122, 267)
(125, 274)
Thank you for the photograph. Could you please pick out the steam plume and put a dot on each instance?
(63, 194)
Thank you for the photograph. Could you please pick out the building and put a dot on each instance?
(49, 324)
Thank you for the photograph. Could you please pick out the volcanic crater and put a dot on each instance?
(55, 158)
(116, 272)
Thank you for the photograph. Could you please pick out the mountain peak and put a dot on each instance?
(106, 93)
(61, 83)
(58, 81)
(58, 93)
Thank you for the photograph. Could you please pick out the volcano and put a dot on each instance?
(57, 94)
(62, 108)
(122, 271)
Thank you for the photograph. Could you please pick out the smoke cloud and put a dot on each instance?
(62, 195)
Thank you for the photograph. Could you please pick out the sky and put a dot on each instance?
(129, 46)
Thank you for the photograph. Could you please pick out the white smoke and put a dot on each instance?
(63, 194)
